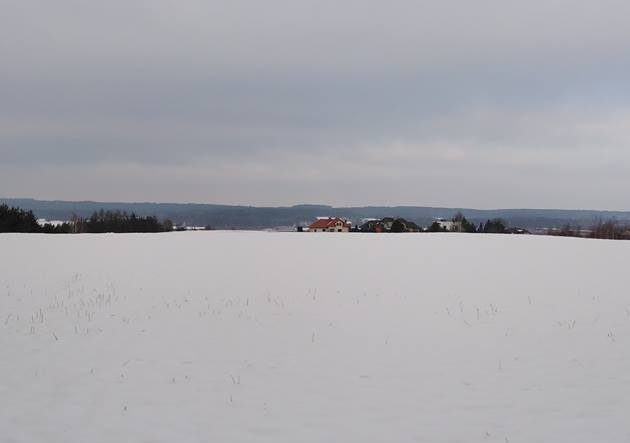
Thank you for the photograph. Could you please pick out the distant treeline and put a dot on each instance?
(458, 223)
(13, 219)
(603, 229)
(116, 221)
(246, 217)
(461, 224)
(18, 220)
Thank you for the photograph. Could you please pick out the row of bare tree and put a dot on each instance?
(605, 229)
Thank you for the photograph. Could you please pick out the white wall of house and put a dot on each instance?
(340, 227)
(449, 225)
(445, 224)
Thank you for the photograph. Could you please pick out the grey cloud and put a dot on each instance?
(269, 103)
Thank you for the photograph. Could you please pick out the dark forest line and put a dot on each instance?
(14, 219)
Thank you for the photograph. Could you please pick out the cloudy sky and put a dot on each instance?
(491, 103)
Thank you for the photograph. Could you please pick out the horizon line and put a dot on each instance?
(315, 205)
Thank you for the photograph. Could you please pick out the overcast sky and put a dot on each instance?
(481, 103)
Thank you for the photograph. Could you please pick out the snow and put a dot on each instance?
(43, 221)
(288, 337)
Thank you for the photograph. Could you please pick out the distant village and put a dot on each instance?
(15, 219)
(458, 223)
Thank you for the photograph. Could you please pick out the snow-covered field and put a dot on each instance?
(287, 337)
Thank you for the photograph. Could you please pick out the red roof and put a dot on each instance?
(324, 223)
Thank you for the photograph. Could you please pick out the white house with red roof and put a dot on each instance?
(329, 224)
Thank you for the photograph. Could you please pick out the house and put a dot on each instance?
(329, 224)
(389, 224)
(447, 225)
